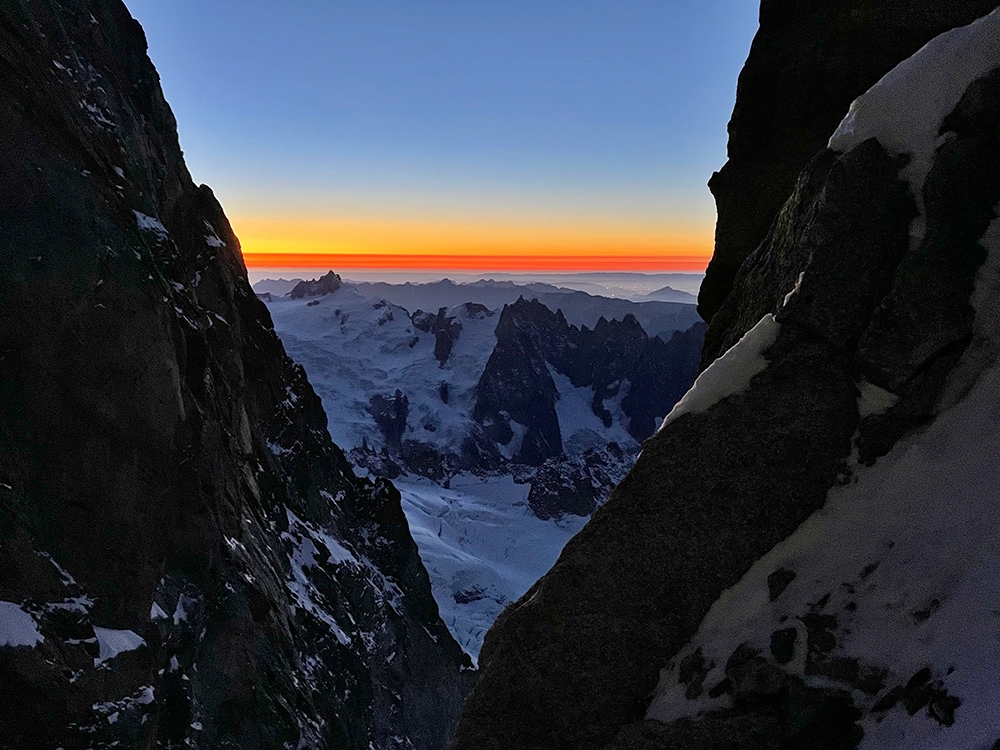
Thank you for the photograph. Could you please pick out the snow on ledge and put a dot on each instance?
(873, 400)
(905, 109)
(114, 642)
(731, 373)
(17, 627)
(149, 223)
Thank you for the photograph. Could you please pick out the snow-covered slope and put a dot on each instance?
(482, 546)
(356, 347)
(889, 591)
(478, 536)
(903, 562)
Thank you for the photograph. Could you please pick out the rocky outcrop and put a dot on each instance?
(616, 358)
(445, 328)
(659, 378)
(517, 386)
(859, 330)
(808, 61)
(577, 485)
(185, 556)
(327, 284)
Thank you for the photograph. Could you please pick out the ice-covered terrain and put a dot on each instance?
(480, 541)
(481, 545)
(355, 347)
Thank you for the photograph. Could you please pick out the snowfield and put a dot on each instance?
(354, 347)
(480, 542)
(482, 547)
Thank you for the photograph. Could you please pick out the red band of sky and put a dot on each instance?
(474, 263)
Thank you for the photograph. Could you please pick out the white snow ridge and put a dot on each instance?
(732, 372)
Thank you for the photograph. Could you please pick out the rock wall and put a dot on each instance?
(856, 328)
(185, 556)
(808, 62)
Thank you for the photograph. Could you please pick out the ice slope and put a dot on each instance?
(481, 545)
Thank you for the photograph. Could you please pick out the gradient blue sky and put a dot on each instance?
(528, 113)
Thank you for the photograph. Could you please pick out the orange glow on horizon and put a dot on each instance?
(476, 263)
(571, 246)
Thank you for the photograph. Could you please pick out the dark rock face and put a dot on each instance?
(856, 200)
(578, 485)
(518, 386)
(576, 659)
(166, 476)
(808, 62)
(390, 415)
(661, 376)
(446, 329)
(327, 284)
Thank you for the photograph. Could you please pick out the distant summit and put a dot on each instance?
(317, 287)
(669, 294)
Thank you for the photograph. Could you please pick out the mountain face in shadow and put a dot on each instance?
(186, 558)
(802, 555)
(808, 62)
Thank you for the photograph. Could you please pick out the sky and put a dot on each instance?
(537, 135)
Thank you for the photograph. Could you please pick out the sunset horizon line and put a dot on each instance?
(473, 263)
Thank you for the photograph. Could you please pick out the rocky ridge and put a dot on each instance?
(186, 559)
(616, 359)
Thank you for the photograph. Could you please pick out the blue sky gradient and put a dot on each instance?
(465, 110)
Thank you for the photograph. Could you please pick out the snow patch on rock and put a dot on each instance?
(906, 108)
(115, 642)
(731, 373)
(149, 224)
(17, 627)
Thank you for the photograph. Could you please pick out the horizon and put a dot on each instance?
(614, 285)
(457, 137)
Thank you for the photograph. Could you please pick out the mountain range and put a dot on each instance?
(532, 415)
